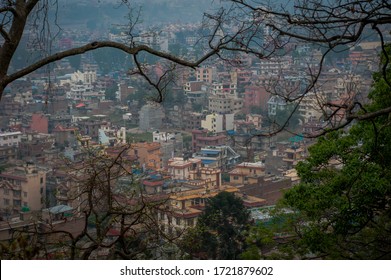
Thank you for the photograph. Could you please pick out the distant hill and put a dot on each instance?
(152, 11)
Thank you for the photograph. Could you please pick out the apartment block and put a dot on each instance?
(8, 139)
(22, 188)
(218, 122)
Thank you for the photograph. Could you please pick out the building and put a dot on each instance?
(185, 206)
(293, 155)
(39, 123)
(147, 155)
(255, 96)
(223, 157)
(22, 188)
(206, 74)
(276, 105)
(224, 104)
(218, 122)
(192, 120)
(65, 136)
(111, 137)
(246, 173)
(171, 144)
(179, 168)
(202, 138)
(8, 139)
(151, 117)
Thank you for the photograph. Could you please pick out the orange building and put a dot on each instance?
(148, 155)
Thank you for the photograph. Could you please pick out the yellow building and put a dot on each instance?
(22, 188)
(247, 173)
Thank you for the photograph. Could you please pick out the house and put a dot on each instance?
(246, 173)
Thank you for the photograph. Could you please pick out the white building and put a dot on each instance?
(218, 122)
(10, 139)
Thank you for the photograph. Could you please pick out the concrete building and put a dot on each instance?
(171, 144)
(275, 105)
(223, 157)
(224, 104)
(87, 77)
(148, 155)
(255, 96)
(22, 188)
(247, 173)
(39, 123)
(206, 74)
(218, 122)
(151, 117)
(202, 138)
(8, 139)
(111, 137)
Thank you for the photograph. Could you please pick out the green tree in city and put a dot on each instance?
(221, 229)
(342, 205)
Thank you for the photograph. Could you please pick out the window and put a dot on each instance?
(236, 178)
(25, 194)
(17, 193)
(6, 192)
(6, 202)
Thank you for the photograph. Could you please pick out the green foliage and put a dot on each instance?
(220, 231)
(139, 137)
(343, 200)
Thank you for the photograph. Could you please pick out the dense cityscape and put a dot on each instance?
(106, 157)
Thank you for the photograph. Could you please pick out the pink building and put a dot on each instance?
(39, 123)
(255, 96)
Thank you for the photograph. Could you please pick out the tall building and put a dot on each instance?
(218, 122)
(22, 188)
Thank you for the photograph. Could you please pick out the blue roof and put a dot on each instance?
(207, 161)
(210, 152)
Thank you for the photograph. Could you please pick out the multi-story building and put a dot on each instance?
(218, 122)
(192, 120)
(206, 74)
(87, 77)
(185, 206)
(151, 117)
(255, 96)
(65, 136)
(247, 173)
(22, 188)
(194, 172)
(8, 139)
(179, 168)
(112, 137)
(275, 105)
(293, 155)
(171, 144)
(224, 104)
(148, 155)
(223, 157)
(202, 138)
